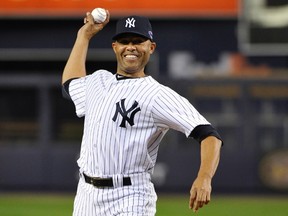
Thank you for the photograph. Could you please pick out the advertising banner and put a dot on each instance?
(160, 8)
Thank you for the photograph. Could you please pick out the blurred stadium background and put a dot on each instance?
(232, 64)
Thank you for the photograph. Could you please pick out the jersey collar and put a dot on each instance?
(121, 77)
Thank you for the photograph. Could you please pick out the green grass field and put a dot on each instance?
(172, 205)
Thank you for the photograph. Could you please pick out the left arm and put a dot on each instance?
(201, 188)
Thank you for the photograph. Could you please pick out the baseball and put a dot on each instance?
(99, 15)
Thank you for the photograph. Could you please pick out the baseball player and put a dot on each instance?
(126, 116)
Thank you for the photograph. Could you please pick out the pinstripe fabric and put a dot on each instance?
(136, 200)
(125, 121)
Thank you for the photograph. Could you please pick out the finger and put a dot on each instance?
(197, 203)
(89, 17)
(86, 19)
(195, 207)
(208, 198)
(200, 200)
(108, 16)
(193, 195)
(205, 197)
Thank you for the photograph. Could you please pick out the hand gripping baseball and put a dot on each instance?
(90, 28)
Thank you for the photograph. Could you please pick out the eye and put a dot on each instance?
(134, 41)
(123, 41)
(138, 41)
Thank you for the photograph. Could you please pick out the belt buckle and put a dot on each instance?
(92, 181)
(95, 183)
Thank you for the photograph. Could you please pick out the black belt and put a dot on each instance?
(105, 182)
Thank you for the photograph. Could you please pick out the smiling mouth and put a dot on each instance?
(130, 57)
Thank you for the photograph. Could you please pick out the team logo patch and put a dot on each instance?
(150, 34)
(130, 22)
(127, 114)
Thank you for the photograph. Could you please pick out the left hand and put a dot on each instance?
(200, 193)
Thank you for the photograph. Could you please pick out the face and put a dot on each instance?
(132, 53)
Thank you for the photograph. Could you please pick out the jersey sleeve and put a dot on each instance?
(171, 110)
(77, 92)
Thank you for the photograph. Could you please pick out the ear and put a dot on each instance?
(114, 46)
(152, 47)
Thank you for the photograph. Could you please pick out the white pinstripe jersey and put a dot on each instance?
(125, 120)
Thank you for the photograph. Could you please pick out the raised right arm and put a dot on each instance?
(75, 66)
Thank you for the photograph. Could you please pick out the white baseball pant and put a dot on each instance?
(138, 199)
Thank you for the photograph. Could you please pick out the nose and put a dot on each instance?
(131, 46)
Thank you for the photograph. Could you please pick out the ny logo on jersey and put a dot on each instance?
(130, 23)
(120, 108)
